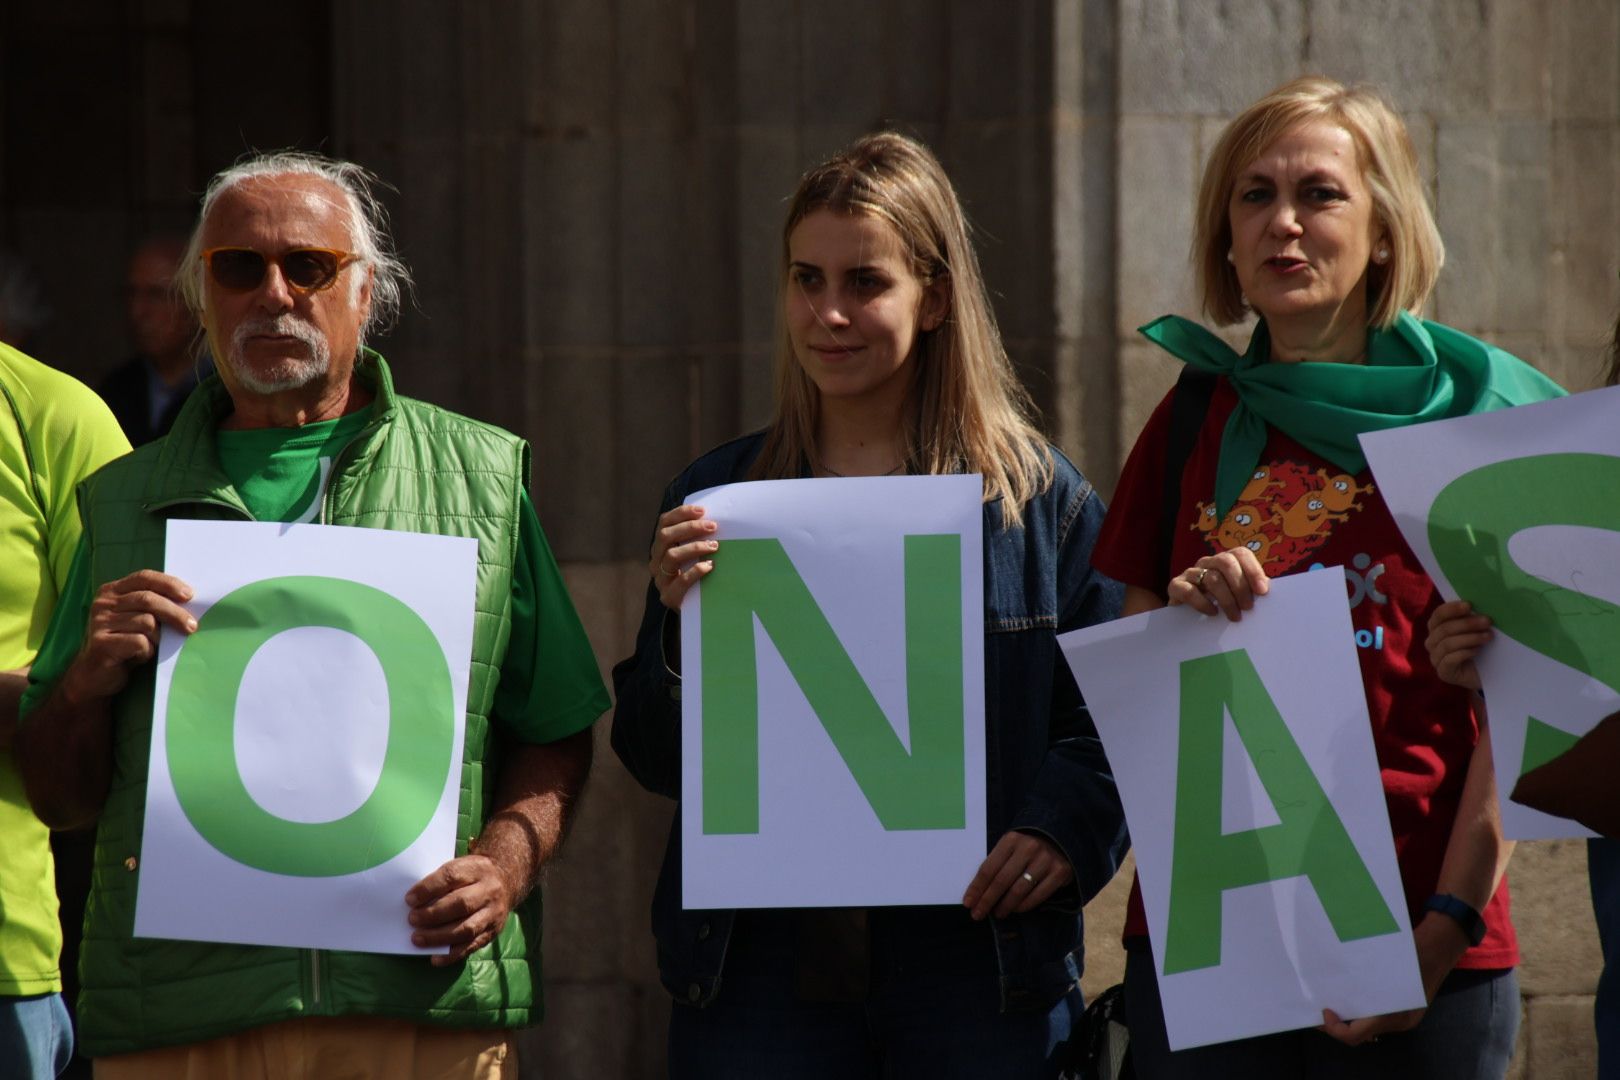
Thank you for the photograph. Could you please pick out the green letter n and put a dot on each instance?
(920, 789)
(1308, 839)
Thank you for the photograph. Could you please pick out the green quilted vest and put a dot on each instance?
(416, 468)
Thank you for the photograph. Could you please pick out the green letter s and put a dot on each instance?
(1470, 525)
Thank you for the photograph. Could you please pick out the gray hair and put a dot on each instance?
(368, 227)
(22, 303)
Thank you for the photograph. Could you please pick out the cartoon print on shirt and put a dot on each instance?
(1309, 515)
(1260, 544)
(1340, 492)
(1259, 483)
(1286, 511)
(1206, 518)
(1242, 525)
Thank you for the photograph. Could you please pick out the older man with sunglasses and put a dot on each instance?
(288, 269)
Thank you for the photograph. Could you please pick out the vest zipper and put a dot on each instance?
(315, 978)
(325, 498)
(337, 467)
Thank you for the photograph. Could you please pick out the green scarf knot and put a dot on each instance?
(1416, 371)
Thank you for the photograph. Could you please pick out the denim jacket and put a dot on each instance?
(1046, 770)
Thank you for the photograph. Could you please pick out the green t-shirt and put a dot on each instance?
(54, 431)
(550, 686)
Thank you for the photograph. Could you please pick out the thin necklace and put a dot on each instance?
(830, 471)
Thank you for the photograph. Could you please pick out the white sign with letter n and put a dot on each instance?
(832, 702)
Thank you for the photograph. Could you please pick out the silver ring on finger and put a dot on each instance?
(669, 574)
(1027, 876)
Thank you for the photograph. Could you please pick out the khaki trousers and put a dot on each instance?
(319, 1048)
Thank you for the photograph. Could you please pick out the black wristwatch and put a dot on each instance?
(1461, 912)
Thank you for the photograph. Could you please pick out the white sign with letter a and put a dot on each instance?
(1245, 761)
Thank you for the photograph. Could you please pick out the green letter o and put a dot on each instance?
(201, 741)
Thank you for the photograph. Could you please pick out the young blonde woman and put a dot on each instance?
(889, 362)
(1312, 215)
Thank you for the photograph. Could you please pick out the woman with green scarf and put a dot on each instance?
(1312, 216)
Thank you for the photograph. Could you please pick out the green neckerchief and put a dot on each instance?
(1415, 371)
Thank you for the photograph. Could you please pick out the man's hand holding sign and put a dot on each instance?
(126, 617)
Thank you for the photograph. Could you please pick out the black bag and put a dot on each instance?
(1103, 1041)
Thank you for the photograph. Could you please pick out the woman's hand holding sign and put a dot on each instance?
(1440, 944)
(1020, 874)
(1225, 584)
(1456, 634)
(681, 552)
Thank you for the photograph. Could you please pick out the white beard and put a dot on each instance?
(289, 373)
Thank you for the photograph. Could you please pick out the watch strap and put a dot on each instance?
(1461, 912)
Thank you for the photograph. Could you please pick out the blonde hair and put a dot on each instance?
(967, 412)
(1388, 166)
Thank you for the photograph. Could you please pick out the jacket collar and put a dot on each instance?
(188, 468)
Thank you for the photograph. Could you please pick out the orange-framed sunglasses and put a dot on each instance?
(305, 269)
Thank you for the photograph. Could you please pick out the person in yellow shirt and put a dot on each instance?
(54, 431)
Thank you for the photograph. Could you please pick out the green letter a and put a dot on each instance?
(922, 789)
(1308, 839)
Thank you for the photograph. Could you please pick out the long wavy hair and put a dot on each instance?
(967, 410)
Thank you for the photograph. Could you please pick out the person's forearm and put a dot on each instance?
(1476, 857)
(64, 753)
(536, 797)
(1138, 600)
(12, 685)
(1477, 853)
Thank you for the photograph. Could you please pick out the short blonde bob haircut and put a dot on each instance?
(1388, 167)
(967, 412)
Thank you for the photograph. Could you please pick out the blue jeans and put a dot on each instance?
(933, 1008)
(1603, 868)
(36, 1038)
(1467, 1034)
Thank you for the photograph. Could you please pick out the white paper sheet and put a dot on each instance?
(1548, 505)
(818, 838)
(1278, 960)
(288, 772)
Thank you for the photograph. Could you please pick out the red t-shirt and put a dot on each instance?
(1299, 512)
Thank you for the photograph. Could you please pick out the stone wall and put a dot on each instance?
(590, 193)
